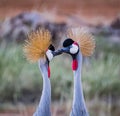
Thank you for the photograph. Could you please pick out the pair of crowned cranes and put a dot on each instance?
(38, 47)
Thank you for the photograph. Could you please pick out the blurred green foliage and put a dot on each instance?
(20, 79)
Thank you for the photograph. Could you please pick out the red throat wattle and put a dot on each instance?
(74, 64)
(48, 72)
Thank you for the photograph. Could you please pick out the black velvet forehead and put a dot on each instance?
(68, 42)
(51, 47)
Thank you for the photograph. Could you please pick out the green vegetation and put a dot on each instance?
(102, 76)
(21, 81)
(15, 73)
(19, 78)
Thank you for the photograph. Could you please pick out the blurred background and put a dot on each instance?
(21, 82)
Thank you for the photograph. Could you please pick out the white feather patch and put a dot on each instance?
(49, 55)
(74, 49)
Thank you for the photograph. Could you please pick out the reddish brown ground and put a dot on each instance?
(27, 110)
(95, 10)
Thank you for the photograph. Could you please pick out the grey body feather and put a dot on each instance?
(43, 108)
(78, 107)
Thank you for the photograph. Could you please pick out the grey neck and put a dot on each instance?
(78, 107)
(44, 105)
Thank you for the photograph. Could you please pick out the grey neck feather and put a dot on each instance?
(78, 107)
(43, 108)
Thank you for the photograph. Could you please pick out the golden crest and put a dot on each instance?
(36, 45)
(84, 38)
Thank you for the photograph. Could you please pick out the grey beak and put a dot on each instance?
(66, 49)
(63, 50)
(58, 52)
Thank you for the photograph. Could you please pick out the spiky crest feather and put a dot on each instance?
(36, 45)
(84, 38)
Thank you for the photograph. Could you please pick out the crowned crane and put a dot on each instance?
(38, 47)
(79, 43)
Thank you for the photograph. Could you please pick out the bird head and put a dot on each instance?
(78, 40)
(71, 47)
(38, 46)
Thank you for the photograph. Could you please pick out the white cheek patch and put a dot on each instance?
(74, 49)
(49, 55)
